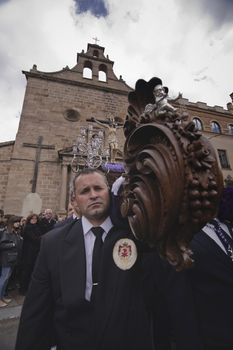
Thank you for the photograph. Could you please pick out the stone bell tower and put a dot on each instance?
(56, 105)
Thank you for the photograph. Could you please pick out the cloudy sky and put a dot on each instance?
(187, 43)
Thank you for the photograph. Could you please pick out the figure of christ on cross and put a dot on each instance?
(112, 127)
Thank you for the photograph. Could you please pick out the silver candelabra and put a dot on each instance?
(89, 150)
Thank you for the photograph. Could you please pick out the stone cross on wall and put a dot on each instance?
(39, 146)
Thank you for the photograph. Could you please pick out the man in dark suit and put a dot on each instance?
(212, 277)
(84, 298)
(47, 221)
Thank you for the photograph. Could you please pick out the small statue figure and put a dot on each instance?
(161, 105)
(112, 127)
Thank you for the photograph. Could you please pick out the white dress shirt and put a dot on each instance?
(89, 240)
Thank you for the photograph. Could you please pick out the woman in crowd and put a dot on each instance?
(22, 225)
(31, 246)
(10, 247)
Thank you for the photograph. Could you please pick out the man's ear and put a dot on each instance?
(77, 211)
(73, 201)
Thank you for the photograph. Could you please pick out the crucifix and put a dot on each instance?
(96, 39)
(39, 146)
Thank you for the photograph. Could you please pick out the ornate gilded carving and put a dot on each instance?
(173, 182)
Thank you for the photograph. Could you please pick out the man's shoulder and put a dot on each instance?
(199, 238)
(64, 222)
(118, 233)
(59, 233)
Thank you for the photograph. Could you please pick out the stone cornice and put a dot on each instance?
(203, 107)
(72, 82)
(93, 58)
(7, 143)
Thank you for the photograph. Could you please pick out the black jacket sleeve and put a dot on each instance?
(36, 327)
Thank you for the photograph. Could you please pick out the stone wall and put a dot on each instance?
(6, 149)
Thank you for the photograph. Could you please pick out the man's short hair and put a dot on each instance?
(87, 171)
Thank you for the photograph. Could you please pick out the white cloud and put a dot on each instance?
(145, 39)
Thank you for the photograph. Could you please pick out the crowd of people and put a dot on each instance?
(19, 246)
(94, 286)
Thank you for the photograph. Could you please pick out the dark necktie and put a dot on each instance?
(96, 257)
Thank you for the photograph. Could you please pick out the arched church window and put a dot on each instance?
(230, 129)
(102, 75)
(198, 123)
(215, 127)
(87, 70)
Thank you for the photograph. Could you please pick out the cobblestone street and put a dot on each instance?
(9, 319)
(8, 330)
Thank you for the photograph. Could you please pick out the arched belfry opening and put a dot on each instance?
(95, 53)
(102, 74)
(87, 70)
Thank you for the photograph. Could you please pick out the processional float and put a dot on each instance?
(173, 182)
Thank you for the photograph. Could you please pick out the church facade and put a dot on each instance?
(57, 106)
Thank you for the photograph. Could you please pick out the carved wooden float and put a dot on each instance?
(173, 182)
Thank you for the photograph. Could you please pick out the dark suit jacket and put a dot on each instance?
(45, 225)
(129, 304)
(66, 221)
(212, 281)
(56, 297)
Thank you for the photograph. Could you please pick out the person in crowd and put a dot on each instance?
(56, 217)
(89, 282)
(13, 282)
(22, 224)
(5, 220)
(73, 213)
(31, 246)
(211, 276)
(2, 221)
(47, 221)
(10, 248)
